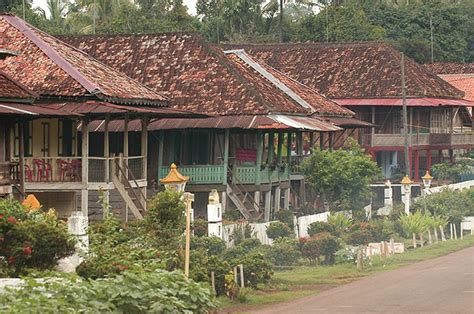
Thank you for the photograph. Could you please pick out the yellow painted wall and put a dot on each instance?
(38, 137)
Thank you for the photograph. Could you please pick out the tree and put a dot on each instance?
(341, 177)
(343, 22)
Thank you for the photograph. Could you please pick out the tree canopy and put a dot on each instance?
(408, 24)
(341, 177)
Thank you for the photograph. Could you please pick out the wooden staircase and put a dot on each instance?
(244, 201)
(132, 195)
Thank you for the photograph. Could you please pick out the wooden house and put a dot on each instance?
(250, 147)
(366, 78)
(50, 93)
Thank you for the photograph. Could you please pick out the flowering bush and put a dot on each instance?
(31, 238)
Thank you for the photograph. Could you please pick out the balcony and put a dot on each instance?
(65, 173)
(442, 139)
(240, 174)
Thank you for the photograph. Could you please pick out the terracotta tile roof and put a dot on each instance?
(200, 77)
(464, 82)
(350, 70)
(9, 88)
(53, 68)
(451, 68)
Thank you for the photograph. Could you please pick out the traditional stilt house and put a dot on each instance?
(366, 78)
(50, 93)
(248, 149)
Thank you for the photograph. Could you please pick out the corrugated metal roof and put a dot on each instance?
(412, 102)
(347, 122)
(225, 122)
(31, 110)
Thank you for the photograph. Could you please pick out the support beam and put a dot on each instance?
(144, 153)
(226, 155)
(280, 143)
(286, 202)
(331, 141)
(271, 146)
(256, 196)
(268, 205)
(428, 160)
(107, 155)
(417, 164)
(160, 155)
(259, 157)
(85, 168)
(372, 135)
(277, 199)
(21, 153)
(321, 141)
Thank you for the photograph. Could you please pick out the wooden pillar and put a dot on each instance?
(451, 155)
(256, 196)
(259, 157)
(106, 156)
(21, 154)
(85, 168)
(286, 202)
(268, 205)
(277, 199)
(160, 154)
(331, 141)
(311, 140)
(417, 164)
(280, 143)
(226, 155)
(288, 148)
(299, 143)
(271, 146)
(125, 156)
(372, 135)
(144, 153)
(321, 141)
(428, 160)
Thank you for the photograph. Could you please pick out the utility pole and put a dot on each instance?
(431, 34)
(327, 24)
(405, 118)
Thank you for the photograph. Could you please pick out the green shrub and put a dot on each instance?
(278, 229)
(31, 238)
(320, 226)
(155, 292)
(212, 245)
(257, 269)
(340, 223)
(321, 244)
(242, 232)
(167, 210)
(200, 227)
(245, 247)
(283, 252)
(445, 171)
(286, 216)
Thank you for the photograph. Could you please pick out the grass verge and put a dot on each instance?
(303, 281)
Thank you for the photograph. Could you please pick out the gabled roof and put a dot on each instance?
(11, 89)
(351, 70)
(53, 68)
(460, 75)
(201, 78)
(451, 68)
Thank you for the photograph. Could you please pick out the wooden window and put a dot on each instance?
(66, 138)
(46, 138)
(28, 136)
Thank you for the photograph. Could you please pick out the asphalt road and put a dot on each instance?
(441, 285)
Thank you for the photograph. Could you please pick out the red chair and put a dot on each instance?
(64, 169)
(28, 174)
(76, 168)
(43, 170)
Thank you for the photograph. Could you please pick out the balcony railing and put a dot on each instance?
(199, 174)
(247, 174)
(396, 140)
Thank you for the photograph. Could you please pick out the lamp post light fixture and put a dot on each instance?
(427, 178)
(177, 182)
(406, 192)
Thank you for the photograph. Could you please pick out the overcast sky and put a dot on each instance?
(191, 4)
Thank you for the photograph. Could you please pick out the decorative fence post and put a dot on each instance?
(214, 215)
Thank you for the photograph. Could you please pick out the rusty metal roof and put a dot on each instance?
(347, 122)
(226, 122)
(17, 109)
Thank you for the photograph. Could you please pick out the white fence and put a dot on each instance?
(454, 186)
(305, 221)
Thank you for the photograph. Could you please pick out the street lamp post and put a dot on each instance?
(177, 182)
(406, 193)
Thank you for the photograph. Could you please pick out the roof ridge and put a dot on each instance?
(310, 43)
(194, 33)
